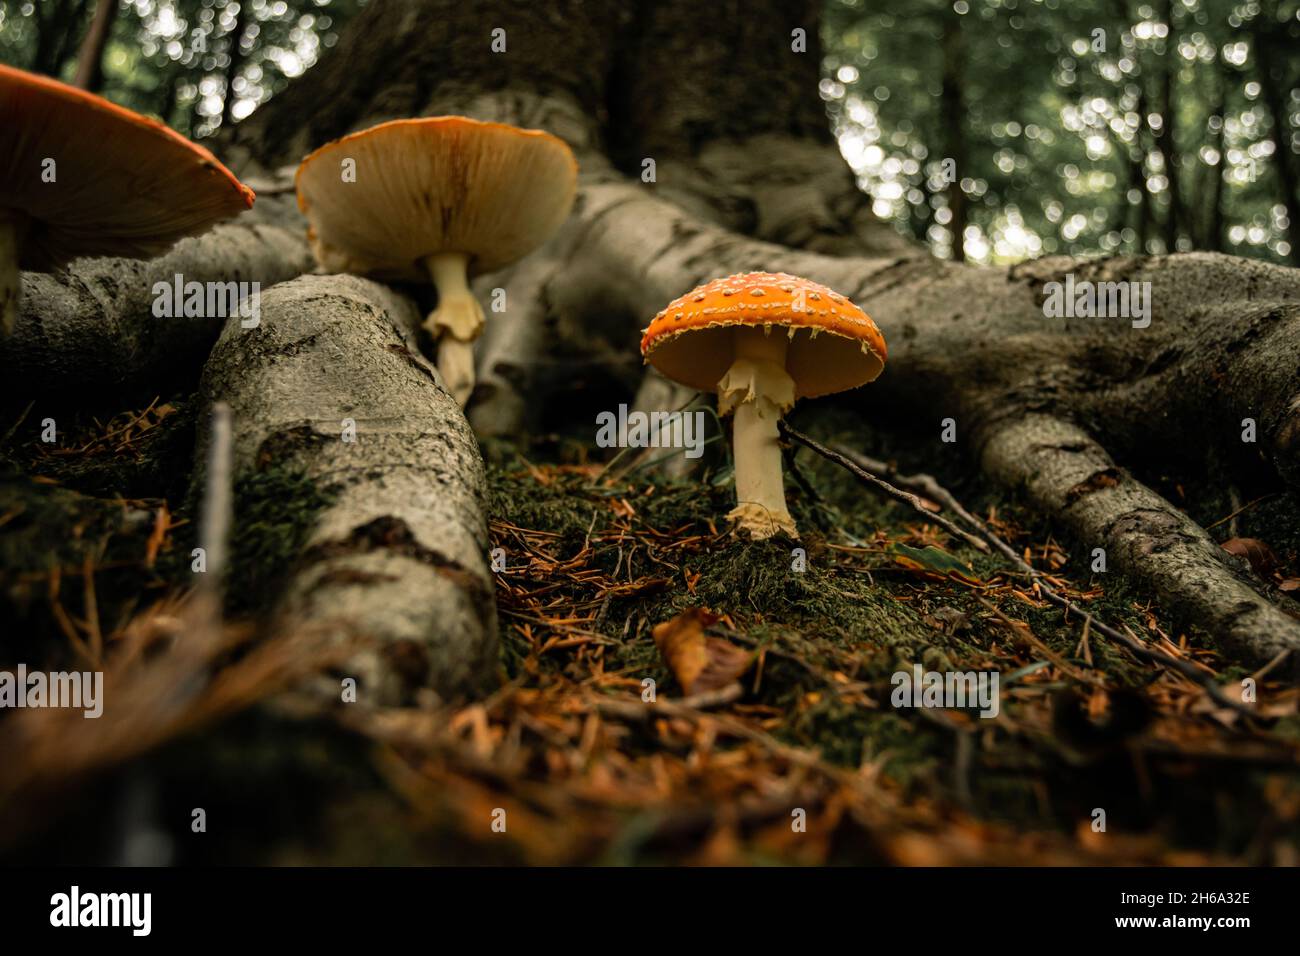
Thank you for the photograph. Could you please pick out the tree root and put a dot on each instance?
(791, 190)
(91, 330)
(513, 344)
(330, 385)
(1068, 475)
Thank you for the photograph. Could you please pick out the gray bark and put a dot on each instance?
(398, 562)
(89, 333)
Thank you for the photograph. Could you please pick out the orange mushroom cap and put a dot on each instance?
(834, 345)
(490, 191)
(123, 184)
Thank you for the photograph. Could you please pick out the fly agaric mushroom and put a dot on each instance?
(440, 198)
(80, 176)
(761, 340)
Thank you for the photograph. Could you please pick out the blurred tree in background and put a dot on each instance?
(196, 64)
(1027, 127)
(1073, 126)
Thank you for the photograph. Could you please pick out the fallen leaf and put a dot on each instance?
(1257, 554)
(698, 661)
(930, 558)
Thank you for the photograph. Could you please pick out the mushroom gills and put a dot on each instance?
(455, 323)
(759, 391)
(11, 229)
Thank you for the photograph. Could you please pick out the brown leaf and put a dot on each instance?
(161, 525)
(1259, 555)
(698, 661)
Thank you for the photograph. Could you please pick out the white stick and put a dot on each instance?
(214, 526)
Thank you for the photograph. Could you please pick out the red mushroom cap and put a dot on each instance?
(124, 185)
(834, 345)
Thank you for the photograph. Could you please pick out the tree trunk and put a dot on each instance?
(1274, 92)
(1144, 215)
(236, 59)
(954, 118)
(173, 77)
(1166, 140)
(58, 25)
(1213, 239)
(330, 385)
(90, 60)
(748, 177)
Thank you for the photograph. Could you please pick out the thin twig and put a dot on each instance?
(818, 503)
(685, 707)
(1247, 505)
(1185, 668)
(881, 485)
(64, 621)
(9, 433)
(1027, 633)
(609, 465)
(921, 483)
(1271, 665)
(215, 524)
(91, 608)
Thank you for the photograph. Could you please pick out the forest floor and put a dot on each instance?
(772, 736)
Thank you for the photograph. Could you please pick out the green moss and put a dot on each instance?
(275, 510)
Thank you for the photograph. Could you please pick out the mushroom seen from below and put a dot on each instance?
(760, 341)
(80, 176)
(441, 198)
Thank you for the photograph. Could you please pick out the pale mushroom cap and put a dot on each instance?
(834, 346)
(124, 185)
(442, 184)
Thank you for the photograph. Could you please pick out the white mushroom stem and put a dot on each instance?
(455, 323)
(759, 390)
(10, 278)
